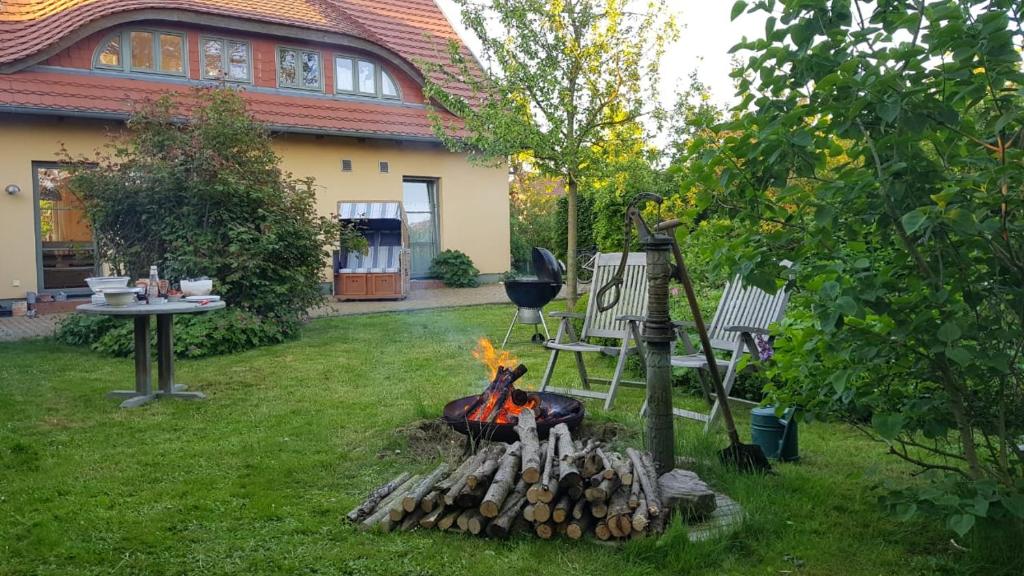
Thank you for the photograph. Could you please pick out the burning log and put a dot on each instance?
(648, 482)
(527, 429)
(359, 513)
(384, 508)
(411, 501)
(503, 482)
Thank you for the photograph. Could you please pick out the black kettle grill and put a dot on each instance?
(530, 295)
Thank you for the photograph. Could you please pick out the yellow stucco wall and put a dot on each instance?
(473, 200)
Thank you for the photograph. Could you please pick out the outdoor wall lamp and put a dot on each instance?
(12, 189)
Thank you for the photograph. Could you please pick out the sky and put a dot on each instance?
(705, 37)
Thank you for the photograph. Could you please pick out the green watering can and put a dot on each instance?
(776, 436)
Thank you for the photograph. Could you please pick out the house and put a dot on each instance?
(339, 82)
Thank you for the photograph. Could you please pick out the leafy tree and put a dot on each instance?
(207, 197)
(879, 146)
(560, 75)
(533, 199)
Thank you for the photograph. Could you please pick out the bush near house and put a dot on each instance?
(205, 197)
(455, 269)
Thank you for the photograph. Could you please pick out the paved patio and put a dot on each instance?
(12, 329)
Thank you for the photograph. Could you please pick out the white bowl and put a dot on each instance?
(196, 287)
(120, 297)
(100, 283)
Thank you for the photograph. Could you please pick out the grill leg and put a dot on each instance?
(510, 327)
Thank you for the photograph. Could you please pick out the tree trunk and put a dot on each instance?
(570, 245)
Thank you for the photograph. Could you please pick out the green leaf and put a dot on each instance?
(960, 523)
(913, 220)
(980, 506)
(948, 332)
(958, 355)
(888, 426)
(905, 511)
(1015, 504)
(889, 110)
(738, 9)
(802, 138)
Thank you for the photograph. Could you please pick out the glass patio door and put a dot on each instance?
(420, 201)
(65, 248)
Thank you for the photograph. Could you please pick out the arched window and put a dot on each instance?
(146, 51)
(356, 76)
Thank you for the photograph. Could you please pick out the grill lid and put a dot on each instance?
(547, 267)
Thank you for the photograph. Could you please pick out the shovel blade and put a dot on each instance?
(746, 458)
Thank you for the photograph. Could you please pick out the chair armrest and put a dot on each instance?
(629, 318)
(748, 330)
(683, 324)
(565, 315)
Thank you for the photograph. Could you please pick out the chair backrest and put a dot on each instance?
(744, 306)
(632, 297)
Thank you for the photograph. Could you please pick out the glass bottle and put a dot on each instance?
(153, 288)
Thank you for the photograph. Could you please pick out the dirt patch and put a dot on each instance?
(607, 432)
(428, 440)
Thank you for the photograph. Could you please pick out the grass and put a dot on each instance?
(255, 479)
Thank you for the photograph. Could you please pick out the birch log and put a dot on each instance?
(527, 429)
(359, 513)
(503, 483)
(649, 485)
(384, 508)
(411, 501)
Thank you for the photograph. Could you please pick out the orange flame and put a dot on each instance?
(493, 358)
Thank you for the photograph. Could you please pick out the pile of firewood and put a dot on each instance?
(551, 488)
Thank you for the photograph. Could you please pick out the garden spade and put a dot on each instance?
(744, 457)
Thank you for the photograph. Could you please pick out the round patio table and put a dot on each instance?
(164, 313)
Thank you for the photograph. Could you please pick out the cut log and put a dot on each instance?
(541, 512)
(652, 472)
(578, 526)
(503, 483)
(623, 468)
(546, 487)
(528, 512)
(470, 498)
(607, 466)
(411, 501)
(635, 495)
(620, 517)
(685, 491)
(384, 508)
(432, 500)
(601, 530)
(579, 509)
(545, 530)
(485, 471)
(640, 518)
(568, 473)
(448, 520)
(647, 481)
(501, 526)
(359, 513)
(459, 484)
(602, 491)
(412, 519)
(476, 524)
(599, 509)
(431, 519)
(459, 473)
(561, 511)
(527, 429)
(463, 520)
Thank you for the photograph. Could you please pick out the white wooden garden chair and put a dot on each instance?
(743, 313)
(621, 322)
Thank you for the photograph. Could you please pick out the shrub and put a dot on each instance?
(455, 269)
(195, 335)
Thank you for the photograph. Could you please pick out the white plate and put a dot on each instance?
(210, 298)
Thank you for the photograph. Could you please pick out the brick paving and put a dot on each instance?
(21, 328)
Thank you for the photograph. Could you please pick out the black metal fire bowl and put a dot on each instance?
(559, 410)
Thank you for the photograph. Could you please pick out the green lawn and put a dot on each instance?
(255, 479)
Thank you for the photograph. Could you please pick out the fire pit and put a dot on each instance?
(493, 414)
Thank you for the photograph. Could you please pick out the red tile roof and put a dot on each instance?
(414, 29)
(103, 95)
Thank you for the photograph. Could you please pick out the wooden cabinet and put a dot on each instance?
(356, 286)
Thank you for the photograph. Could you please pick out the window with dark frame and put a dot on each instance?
(299, 68)
(226, 59)
(361, 77)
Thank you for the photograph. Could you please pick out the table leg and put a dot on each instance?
(165, 361)
(143, 378)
